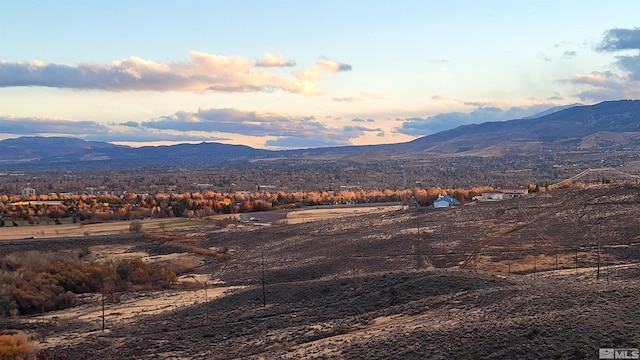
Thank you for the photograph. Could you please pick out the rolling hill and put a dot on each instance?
(564, 130)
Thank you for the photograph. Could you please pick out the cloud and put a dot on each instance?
(356, 131)
(473, 103)
(361, 97)
(131, 124)
(358, 120)
(238, 122)
(348, 132)
(610, 85)
(271, 60)
(570, 53)
(319, 68)
(597, 79)
(620, 39)
(544, 57)
(605, 86)
(204, 72)
(141, 135)
(440, 98)
(624, 39)
(284, 127)
(206, 124)
(22, 125)
(274, 129)
(349, 99)
(91, 130)
(290, 142)
(631, 65)
(417, 126)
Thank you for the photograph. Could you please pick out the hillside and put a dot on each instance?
(563, 130)
(54, 149)
(497, 280)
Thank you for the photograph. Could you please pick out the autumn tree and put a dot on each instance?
(15, 347)
(54, 213)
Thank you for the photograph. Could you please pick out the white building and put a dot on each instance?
(509, 192)
(28, 191)
(445, 201)
(506, 192)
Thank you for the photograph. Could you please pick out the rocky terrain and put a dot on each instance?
(551, 275)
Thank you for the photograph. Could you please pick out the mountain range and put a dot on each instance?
(604, 126)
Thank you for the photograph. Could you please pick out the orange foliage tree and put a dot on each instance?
(15, 347)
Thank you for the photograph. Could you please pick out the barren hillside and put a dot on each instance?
(550, 275)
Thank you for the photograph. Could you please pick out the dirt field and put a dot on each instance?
(78, 230)
(317, 214)
(474, 281)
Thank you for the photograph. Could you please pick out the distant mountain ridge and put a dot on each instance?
(606, 124)
(35, 148)
(552, 110)
(559, 130)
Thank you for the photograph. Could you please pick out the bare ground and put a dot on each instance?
(83, 230)
(476, 281)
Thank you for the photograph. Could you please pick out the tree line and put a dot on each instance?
(130, 206)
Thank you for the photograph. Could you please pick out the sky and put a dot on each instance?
(298, 74)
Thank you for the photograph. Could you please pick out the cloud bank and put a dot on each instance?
(277, 130)
(204, 72)
(289, 130)
(91, 130)
(20, 125)
(621, 84)
(417, 126)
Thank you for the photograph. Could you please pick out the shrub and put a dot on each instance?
(15, 347)
(135, 226)
(35, 282)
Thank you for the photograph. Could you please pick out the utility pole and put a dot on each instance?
(608, 260)
(419, 263)
(264, 299)
(576, 262)
(535, 265)
(535, 246)
(598, 243)
(206, 298)
(103, 304)
(510, 256)
(598, 271)
(444, 255)
(206, 301)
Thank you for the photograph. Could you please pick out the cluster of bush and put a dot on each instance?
(131, 206)
(36, 282)
(16, 346)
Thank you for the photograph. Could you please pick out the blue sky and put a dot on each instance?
(288, 74)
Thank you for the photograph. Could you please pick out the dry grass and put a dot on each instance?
(319, 214)
(107, 228)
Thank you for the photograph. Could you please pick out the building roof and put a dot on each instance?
(448, 199)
